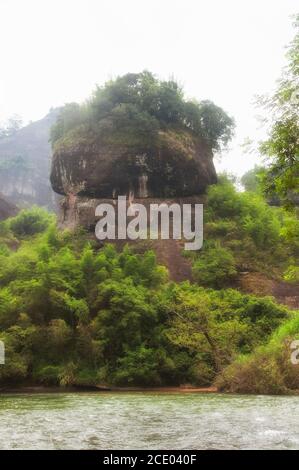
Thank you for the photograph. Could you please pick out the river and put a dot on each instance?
(148, 421)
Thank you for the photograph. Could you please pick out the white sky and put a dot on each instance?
(55, 51)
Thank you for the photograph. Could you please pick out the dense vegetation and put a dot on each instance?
(135, 107)
(252, 179)
(244, 233)
(282, 146)
(75, 313)
(269, 368)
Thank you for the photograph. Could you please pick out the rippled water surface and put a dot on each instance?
(148, 421)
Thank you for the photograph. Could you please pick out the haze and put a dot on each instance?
(53, 52)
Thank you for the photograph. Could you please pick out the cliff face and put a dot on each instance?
(80, 211)
(25, 159)
(177, 165)
(136, 136)
(7, 209)
(177, 168)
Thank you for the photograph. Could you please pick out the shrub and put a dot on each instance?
(259, 375)
(215, 267)
(30, 222)
(140, 367)
(291, 274)
(15, 369)
(269, 368)
(223, 200)
(48, 375)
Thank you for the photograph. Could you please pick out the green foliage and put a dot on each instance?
(282, 147)
(292, 274)
(72, 314)
(269, 368)
(71, 116)
(30, 222)
(252, 179)
(215, 326)
(210, 122)
(135, 107)
(47, 375)
(215, 267)
(145, 366)
(244, 233)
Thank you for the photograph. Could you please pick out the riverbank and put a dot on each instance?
(42, 389)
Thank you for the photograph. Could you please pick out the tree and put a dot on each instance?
(76, 314)
(282, 146)
(138, 105)
(13, 124)
(30, 222)
(251, 180)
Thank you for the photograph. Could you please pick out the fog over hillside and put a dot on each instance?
(25, 162)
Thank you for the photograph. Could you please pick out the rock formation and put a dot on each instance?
(137, 137)
(89, 174)
(178, 167)
(7, 209)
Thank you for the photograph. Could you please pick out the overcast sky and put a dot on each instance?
(55, 51)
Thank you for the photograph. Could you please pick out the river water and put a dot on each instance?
(148, 421)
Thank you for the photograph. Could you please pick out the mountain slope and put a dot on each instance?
(24, 164)
(7, 209)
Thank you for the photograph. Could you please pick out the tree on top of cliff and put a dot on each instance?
(140, 103)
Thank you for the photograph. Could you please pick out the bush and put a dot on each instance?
(259, 375)
(292, 274)
(15, 369)
(30, 222)
(258, 235)
(83, 377)
(215, 267)
(48, 375)
(223, 200)
(141, 367)
(268, 369)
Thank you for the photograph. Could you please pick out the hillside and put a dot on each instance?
(73, 313)
(24, 164)
(76, 311)
(7, 209)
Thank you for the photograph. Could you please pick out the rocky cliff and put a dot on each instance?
(178, 170)
(7, 209)
(177, 165)
(25, 159)
(136, 136)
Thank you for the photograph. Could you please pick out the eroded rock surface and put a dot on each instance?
(179, 165)
(7, 209)
(176, 168)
